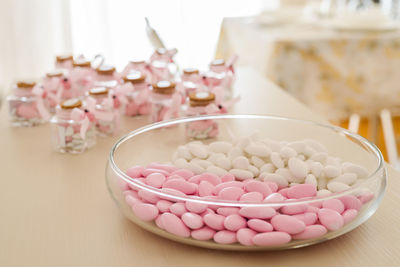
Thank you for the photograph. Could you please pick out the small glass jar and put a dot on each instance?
(106, 76)
(204, 129)
(64, 62)
(165, 101)
(81, 77)
(27, 106)
(220, 76)
(138, 102)
(136, 66)
(191, 75)
(102, 107)
(162, 65)
(73, 128)
(57, 88)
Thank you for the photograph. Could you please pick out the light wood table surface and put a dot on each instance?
(55, 209)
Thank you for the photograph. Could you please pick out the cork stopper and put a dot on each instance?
(97, 91)
(201, 99)
(83, 63)
(135, 77)
(218, 62)
(164, 87)
(25, 84)
(189, 71)
(55, 73)
(105, 70)
(71, 103)
(137, 61)
(63, 58)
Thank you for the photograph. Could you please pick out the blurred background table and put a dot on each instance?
(56, 211)
(335, 73)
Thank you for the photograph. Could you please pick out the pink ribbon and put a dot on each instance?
(81, 116)
(40, 93)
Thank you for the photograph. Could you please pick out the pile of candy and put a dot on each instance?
(248, 171)
(88, 97)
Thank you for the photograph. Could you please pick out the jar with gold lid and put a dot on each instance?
(73, 127)
(57, 87)
(162, 65)
(64, 62)
(220, 77)
(27, 104)
(82, 76)
(136, 66)
(165, 101)
(100, 103)
(202, 103)
(137, 94)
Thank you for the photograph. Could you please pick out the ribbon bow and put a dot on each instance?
(107, 114)
(120, 93)
(40, 93)
(81, 116)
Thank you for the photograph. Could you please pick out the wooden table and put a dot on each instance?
(55, 209)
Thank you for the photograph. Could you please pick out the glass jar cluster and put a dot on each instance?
(83, 98)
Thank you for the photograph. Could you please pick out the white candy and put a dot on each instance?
(241, 174)
(276, 178)
(276, 160)
(220, 147)
(240, 163)
(301, 157)
(203, 163)
(309, 151)
(256, 161)
(298, 168)
(323, 193)
(223, 162)
(333, 161)
(243, 142)
(331, 171)
(184, 152)
(234, 153)
(316, 145)
(216, 170)
(268, 167)
(180, 163)
(299, 146)
(254, 170)
(337, 186)
(357, 169)
(346, 178)
(316, 168)
(272, 145)
(258, 149)
(285, 173)
(198, 150)
(310, 179)
(287, 152)
(214, 157)
(196, 168)
(320, 157)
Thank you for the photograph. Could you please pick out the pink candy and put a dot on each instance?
(247, 225)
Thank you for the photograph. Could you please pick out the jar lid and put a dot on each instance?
(54, 73)
(96, 91)
(105, 70)
(217, 62)
(135, 77)
(164, 87)
(62, 58)
(137, 61)
(26, 84)
(83, 63)
(189, 71)
(71, 103)
(201, 98)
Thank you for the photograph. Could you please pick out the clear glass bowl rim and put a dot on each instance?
(203, 200)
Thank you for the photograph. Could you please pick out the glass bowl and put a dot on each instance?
(157, 143)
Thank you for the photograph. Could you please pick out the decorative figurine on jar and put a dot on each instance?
(162, 65)
(165, 101)
(27, 105)
(73, 127)
(138, 94)
(100, 103)
(202, 103)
